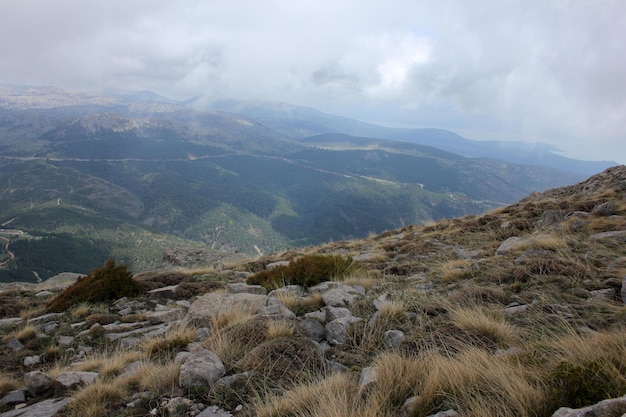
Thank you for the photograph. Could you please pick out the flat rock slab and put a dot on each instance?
(75, 379)
(47, 408)
(210, 306)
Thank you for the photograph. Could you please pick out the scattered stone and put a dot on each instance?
(176, 403)
(14, 397)
(409, 407)
(384, 299)
(506, 225)
(335, 366)
(369, 376)
(37, 383)
(212, 305)
(605, 209)
(32, 361)
(214, 411)
(393, 338)
(164, 292)
(50, 327)
(448, 413)
(605, 294)
(15, 345)
(311, 328)
(336, 294)
(71, 380)
(44, 293)
(275, 309)
(289, 290)
(333, 313)
(234, 379)
(337, 330)
(200, 368)
(44, 318)
(47, 408)
(276, 264)
(551, 219)
(125, 312)
(518, 308)
(619, 235)
(240, 287)
(611, 407)
(512, 244)
(12, 321)
(168, 315)
(318, 315)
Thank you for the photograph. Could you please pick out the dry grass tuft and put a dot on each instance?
(279, 328)
(169, 344)
(287, 360)
(109, 364)
(97, 400)
(158, 379)
(8, 383)
(478, 384)
(24, 334)
(487, 322)
(454, 270)
(334, 396)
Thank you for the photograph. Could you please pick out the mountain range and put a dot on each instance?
(86, 176)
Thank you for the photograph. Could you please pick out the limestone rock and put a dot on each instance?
(618, 235)
(14, 397)
(369, 376)
(611, 407)
(31, 360)
(448, 413)
(214, 411)
(15, 345)
(312, 328)
(47, 408)
(336, 294)
(511, 244)
(289, 290)
(201, 368)
(337, 330)
(333, 313)
(240, 287)
(71, 380)
(393, 338)
(605, 209)
(165, 292)
(210, 306)
(37, 383)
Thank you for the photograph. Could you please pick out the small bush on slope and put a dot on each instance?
(109, 282)
(306, 271)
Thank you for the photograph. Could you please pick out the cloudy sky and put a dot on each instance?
(550, 71)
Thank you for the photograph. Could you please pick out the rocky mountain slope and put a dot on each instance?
(128, 175)
(517, 312)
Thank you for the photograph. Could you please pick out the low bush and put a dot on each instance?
(109, 282)
(307, 271)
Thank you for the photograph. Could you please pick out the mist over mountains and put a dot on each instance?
(127, 175)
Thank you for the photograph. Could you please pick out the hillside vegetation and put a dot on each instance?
(131, 176)
(516, 312)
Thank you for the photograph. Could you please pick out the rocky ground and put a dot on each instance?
(519, 312)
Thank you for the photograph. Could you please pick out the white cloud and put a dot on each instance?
(547, 71)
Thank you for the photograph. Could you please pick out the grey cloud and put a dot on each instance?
(530, 69)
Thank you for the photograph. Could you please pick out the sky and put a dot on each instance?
(549, 71)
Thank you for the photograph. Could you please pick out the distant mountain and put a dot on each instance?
(129, 175)
(300, 122)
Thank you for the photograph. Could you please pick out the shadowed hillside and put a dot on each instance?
(517, 312)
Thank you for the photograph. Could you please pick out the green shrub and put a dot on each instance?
(578, 386)
(107, 283)
(307, 271)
